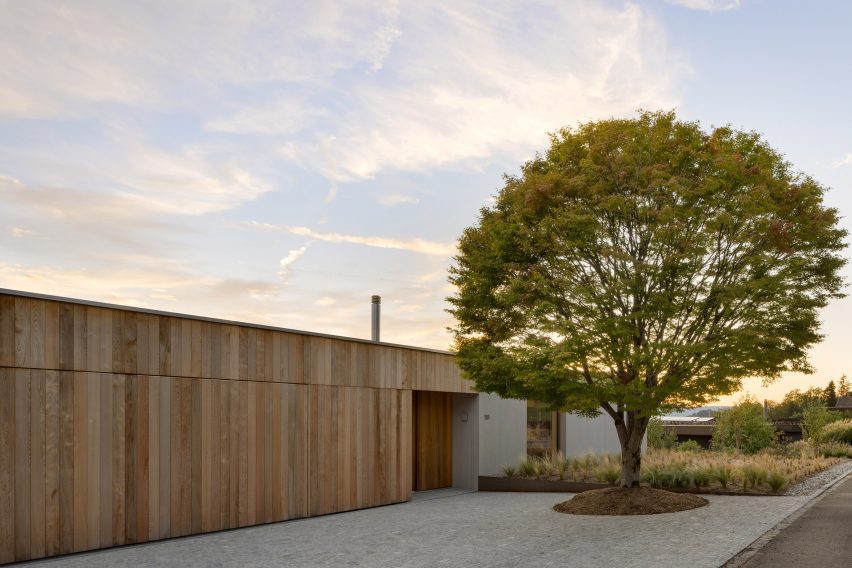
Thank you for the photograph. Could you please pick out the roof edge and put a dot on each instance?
(38, 296)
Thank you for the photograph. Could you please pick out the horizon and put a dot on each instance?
(280, 166)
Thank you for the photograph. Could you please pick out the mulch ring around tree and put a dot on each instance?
(632, 501)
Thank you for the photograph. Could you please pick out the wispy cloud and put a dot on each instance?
(393, 199)
(845, 161)
(707, 5)
(20, 232)
(292, 256)
(284, 116)
(413, 245)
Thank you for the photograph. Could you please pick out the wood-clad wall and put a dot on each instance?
(120, 426)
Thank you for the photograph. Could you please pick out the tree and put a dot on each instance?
(743, 428)
(642, 265)
(794, 403)
(830, 394)
(815, 417)
(660, 437)
(843, 386)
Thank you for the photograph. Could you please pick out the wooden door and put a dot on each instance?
(432, 440)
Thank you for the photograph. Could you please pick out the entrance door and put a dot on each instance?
(433, 440)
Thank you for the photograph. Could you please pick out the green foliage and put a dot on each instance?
(609, 474)
(659, 437)
(776, 480)
(723, 474)
(527, 466)
(743, 428)
(835, 450)
(840, 431)
(689, 446)
(794, 403)
(702, 477)
(753, 476)
(830, 395)
(640, 265)
(508, 470)
(843, 386)
(815, 417)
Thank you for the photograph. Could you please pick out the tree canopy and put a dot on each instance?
(641, 265)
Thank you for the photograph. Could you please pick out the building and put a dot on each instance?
(122, 425)
(843, 404)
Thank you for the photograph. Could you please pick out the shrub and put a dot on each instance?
(689, 446)
(815, 417)
(723, 474)
(508, 470)
(840, 431)
(610, 474)
(560, 464)
(835, 450)
(702, 477)
(776, 480)
(659, 437)
(540, 468)
(753, 476)
(576, 467)
(527, 466)
(652, 476)
(743, 428)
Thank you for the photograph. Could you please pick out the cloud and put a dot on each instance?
(413, 245)
(473, 82)
(845, 161)
(163, 54)
(707, 5)
(20, 232)
(397, 199)
(325, 301)
(389, 85)
(288, 260)
(284, 116)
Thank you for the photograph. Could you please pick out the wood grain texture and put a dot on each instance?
(433, 440)
(118, 426)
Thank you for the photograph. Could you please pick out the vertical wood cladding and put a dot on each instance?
(432, 440)
(120, 426)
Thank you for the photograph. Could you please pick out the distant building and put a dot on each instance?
(844, 404)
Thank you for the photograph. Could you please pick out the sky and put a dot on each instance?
(280, 162)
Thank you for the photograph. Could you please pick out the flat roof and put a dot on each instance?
(212, 320)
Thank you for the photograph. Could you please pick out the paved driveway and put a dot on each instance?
(469, 530)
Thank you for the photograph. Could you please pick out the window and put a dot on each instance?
(541, 429)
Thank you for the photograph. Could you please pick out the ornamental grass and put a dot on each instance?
(769, 471)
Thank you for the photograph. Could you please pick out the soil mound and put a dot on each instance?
(633, 501)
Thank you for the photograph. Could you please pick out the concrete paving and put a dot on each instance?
(820, 537)
(469, 530)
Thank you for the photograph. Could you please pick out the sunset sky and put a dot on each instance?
(279, 162)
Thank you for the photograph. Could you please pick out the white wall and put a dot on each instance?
(579, 435)
(465, 441)
(502, 432)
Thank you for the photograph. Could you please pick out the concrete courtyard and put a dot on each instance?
(450, 528)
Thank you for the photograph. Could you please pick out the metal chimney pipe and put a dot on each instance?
(377, 309)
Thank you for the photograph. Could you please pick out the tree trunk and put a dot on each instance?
(631, 461)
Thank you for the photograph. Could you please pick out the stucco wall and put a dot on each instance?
(502, 432)
(578, 435)
(465, 441)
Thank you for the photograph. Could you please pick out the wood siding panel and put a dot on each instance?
(121, 426)
(433, 440)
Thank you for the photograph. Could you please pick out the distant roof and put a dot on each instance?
(843, 403)
(688, 419)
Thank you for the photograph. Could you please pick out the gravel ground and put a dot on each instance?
(816, 482)
(473, 529)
